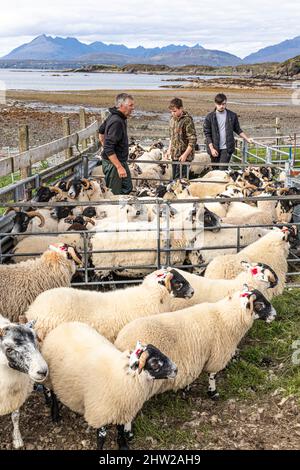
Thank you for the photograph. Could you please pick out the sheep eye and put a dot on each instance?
(9, 350)
(259, 306)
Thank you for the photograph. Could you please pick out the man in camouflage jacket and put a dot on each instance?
(183, 137)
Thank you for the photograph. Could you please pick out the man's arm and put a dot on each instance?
(208, 136)
(237, 129)
(102, 132)
(116, 162)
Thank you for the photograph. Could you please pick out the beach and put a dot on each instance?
(43, 111)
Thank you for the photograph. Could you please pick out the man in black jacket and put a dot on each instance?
(219, 128)
(115, 147)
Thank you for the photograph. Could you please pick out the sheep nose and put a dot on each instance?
(43, 372)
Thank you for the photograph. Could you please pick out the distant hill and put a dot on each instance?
(276, 53)
(47, 48)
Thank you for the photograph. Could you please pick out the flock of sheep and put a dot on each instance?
(103, 354)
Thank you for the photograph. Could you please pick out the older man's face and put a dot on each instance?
(127, 108)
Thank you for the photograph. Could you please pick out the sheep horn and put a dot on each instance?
(54, 189)
(93, 187)
(142, 361)
(168, 278)
(74, 256)
(89, 220)
(10, 209)
(231, 185)
(283, 190)
(69, 219)
(2, 332)
(68, 184)
(251, 301)
(250, 186)
(37, 214)
(85, 183)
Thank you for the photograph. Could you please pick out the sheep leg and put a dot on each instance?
(54, 408)
(101, 437)
(128, 431)
(17, 438)
(47, 395)
(122, 439)
(212, 388)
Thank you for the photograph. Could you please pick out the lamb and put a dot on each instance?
(199, 338)
(257, 275)
(110, 386)
(21, 283)
(108, 312)
(39, 243)
(204, 159)
(272, 249)
(21, 364)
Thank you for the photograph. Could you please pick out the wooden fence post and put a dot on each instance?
(66, 132)
(23, 147)
(82, 121)
(277, 129)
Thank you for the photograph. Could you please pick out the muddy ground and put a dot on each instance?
(43, 112)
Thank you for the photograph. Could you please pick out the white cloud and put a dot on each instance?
(239, 28)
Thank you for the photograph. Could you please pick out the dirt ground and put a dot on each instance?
(43, 112)
(272, 423)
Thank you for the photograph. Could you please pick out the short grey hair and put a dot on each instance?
(122, 98)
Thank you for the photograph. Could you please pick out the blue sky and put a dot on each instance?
(235, 27)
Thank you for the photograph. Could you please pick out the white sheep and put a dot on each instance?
(39, 243)
(224, 239)
(21, 364)
(21, 283)
(108, 312)
(257, 275)
(111, 387)
(185, 225)
(199, 338)
(272, 249)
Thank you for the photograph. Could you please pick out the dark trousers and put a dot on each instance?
(113, 181)
(176, 171)
(224, 157)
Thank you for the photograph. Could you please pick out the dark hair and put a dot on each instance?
(176, 103)
(220, 97)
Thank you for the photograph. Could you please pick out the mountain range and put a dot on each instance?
(46, 48)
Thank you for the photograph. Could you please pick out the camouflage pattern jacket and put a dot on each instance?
(182, 134)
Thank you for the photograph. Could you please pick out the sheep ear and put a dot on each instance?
(22, 319)
(245, 265)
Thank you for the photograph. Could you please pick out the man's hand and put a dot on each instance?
(250, 140)
(121, 171)
(182, 158)
(214, 153)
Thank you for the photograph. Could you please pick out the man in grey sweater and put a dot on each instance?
(219, 128)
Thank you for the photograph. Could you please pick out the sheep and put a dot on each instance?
(199, 338)
(38, 244)
(20, 284)
(184, 227)
(21, 364)
(257, 275)
(204, 159)
(154, 155)
(272, 249)
(181, 189)
(22, 219)
(111, 387)
(108, 312)
(225, 239)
